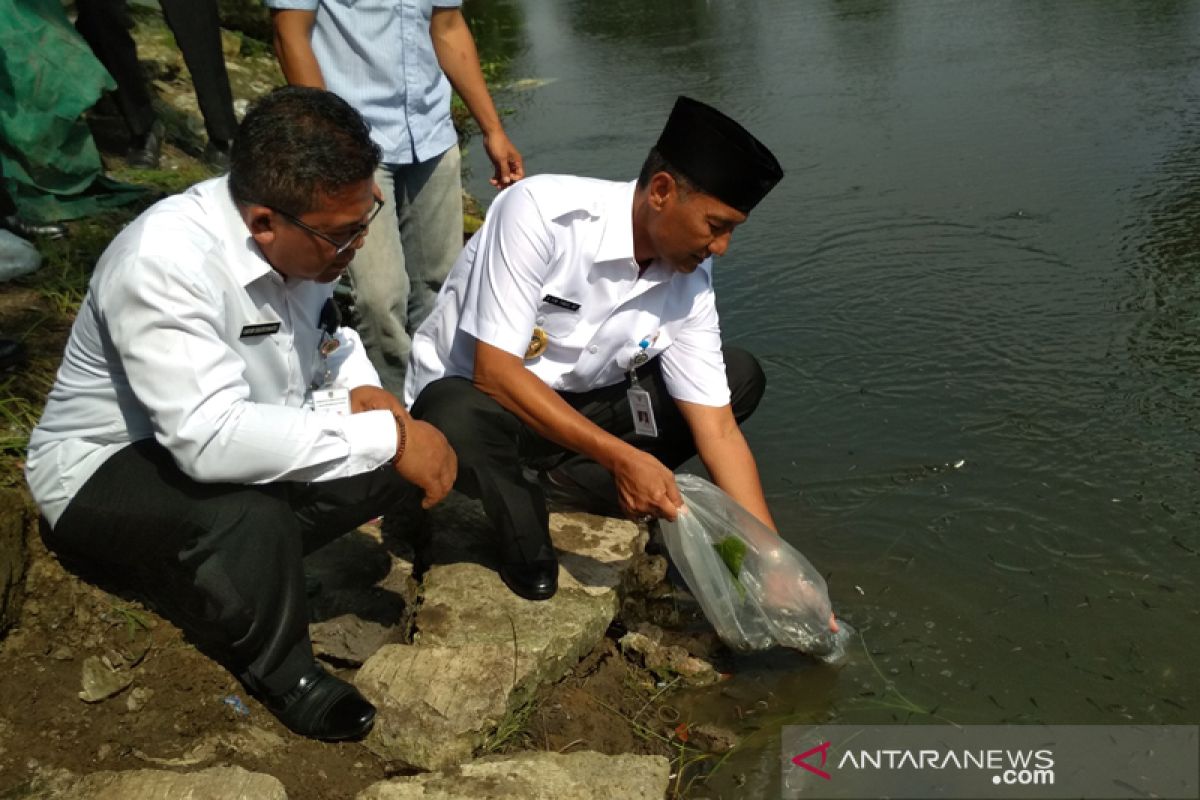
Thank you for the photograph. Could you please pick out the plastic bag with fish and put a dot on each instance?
(755, 588)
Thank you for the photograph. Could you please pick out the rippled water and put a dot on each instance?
(986, 252)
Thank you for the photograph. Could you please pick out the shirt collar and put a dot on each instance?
(616, 207)
(246, 262)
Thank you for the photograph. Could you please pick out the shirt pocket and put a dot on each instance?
(558, 323)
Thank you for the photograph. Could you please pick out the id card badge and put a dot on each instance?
(331, 401)
(642, 411)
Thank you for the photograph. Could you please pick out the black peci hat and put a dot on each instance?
(718, 155)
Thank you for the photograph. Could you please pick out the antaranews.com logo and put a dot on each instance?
(991, 761)
(1009, 767)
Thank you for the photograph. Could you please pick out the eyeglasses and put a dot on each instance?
(338, 247)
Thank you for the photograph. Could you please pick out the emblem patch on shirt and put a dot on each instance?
(537, 344)
(259, 329)
(561, 303)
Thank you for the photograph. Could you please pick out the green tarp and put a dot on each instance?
(48, 78)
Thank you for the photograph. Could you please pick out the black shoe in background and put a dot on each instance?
(33, 230)
(12, 355)
(146, 151)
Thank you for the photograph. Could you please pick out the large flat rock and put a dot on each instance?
(215, 783)
(536, 776)
(480, 651)
(365, 595)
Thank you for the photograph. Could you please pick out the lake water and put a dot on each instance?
(977, 299)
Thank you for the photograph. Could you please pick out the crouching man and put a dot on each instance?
(211, 422)
(575, 349)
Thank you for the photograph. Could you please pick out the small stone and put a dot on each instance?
(138, 698)
(712, 738)
(62, 653)
(103, 752)
(100, 682)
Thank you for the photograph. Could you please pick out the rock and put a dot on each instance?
(648, 572)
(667, 661)
(712, 738)
(480, 651)
(536, 776)
(14, 515)
(215, 783)
(101, 682)
(365, 597)
(138, 697)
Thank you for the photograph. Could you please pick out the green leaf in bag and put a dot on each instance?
(732, 551)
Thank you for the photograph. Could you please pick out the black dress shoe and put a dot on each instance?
(147, 150)
(533, 580)
(33, 230)
(321, 706)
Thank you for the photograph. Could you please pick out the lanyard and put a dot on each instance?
(640, 358)
(327, 345)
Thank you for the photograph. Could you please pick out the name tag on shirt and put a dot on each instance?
(561, 303)
(642, 411)
(335, 402)
(259, 329)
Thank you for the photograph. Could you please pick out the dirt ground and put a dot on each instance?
(184, 711)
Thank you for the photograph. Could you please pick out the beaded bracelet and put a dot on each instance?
(401, 439)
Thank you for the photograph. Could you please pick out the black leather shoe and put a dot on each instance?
(321, 706)
(33, 230)
(533, 580)
(146, 151)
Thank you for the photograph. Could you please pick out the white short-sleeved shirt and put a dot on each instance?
(556, 252)
(187, 335)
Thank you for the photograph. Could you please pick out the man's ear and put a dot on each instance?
(261, 223)
(662, 190)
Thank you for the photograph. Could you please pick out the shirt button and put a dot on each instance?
(540, 321)
(593, 349)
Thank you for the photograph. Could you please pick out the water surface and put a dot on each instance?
(976, 298)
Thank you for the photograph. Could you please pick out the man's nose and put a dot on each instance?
(719, 245)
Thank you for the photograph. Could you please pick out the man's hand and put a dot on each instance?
(428, 461)
(510, 168)
(372, 398)
(645, 486)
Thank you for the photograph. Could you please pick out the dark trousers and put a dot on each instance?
(223, 561)
(196, 26)
(7, 206)
(495, 448)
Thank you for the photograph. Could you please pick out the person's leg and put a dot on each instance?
(224, 562)
(104, 24)
(381, 288)
(197, 30)
(489, 441)
(431, 228)
(591, 484)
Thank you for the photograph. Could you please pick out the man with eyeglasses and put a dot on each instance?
(211, 422)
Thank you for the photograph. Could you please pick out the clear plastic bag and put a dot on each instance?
(755, 588)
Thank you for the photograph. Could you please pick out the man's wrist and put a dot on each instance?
(401, 439)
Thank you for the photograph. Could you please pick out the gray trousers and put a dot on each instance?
(405, 258)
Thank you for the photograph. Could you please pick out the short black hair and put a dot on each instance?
(655, 163)
(296, 143)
